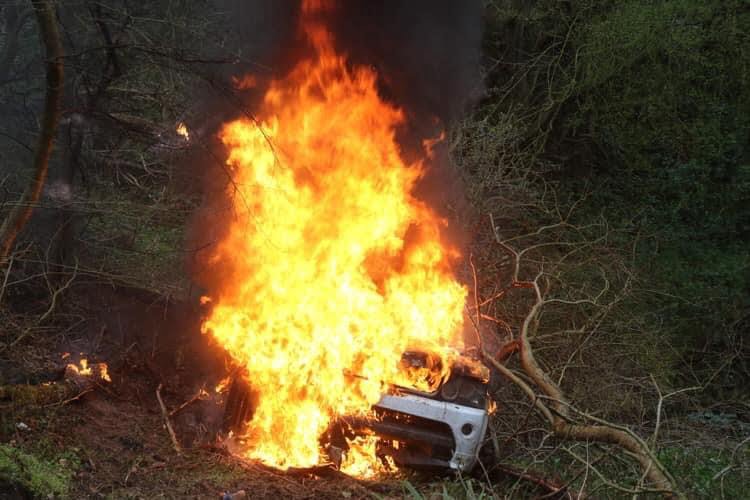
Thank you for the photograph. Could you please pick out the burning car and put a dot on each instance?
(441, 429)
(328, 266)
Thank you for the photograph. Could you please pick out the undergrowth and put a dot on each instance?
(37, 474)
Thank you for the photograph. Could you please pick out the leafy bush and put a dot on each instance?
(647, 106)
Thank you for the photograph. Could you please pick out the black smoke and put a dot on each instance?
(426, 52)
(427, 55)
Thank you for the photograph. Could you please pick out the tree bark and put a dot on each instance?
(21, 212)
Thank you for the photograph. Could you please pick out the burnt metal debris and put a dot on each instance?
(444, 429)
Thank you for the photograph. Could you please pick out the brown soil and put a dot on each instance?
(116, 433)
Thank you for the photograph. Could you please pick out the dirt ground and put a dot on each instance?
(115, 445)
(109, 440)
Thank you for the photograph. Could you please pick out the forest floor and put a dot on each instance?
(111, 442)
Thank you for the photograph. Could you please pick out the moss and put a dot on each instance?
(38, 476)
(23, 395)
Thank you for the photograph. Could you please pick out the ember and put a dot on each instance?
(335, 268)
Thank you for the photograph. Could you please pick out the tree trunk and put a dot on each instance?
(21, 212)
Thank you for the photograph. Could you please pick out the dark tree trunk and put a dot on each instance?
(21, 212)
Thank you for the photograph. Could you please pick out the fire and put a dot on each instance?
(331, 267)
(359, 460)
(222, 386)
(100, 370)
(104, 372)
(85, 368)
(183, 131)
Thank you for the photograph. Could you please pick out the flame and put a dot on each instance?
(183, 131)
(359, 460)
(222, 386)
(100, 370)
(85, 368)
(104, 372)
(331, 267)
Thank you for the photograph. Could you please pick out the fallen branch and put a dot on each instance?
(551, 402)
(74, 398)
(167, 423)
(603, 432)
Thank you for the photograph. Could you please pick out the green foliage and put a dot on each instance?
(709, 473)
(38, 475)
(646, 105)
(664, 87)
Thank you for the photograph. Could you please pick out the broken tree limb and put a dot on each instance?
(53, 54)
(555, 407)
(167, 423)
(602, 432)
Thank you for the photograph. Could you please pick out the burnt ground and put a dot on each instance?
(111, 442)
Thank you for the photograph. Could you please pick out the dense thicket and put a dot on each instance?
(645, 107)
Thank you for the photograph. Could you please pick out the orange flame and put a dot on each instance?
(222, 386)
(335, 268)
(101, 370)
(359, 461)
(183, 131)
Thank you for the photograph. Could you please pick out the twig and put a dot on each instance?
(74, 398)
(168, 424)
(5, 278)
(48, 312)
(660, 404)
(187, 403)
(732, 463)
(561, 491)
(522, 385)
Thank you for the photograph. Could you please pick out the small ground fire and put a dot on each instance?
(334, 269)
